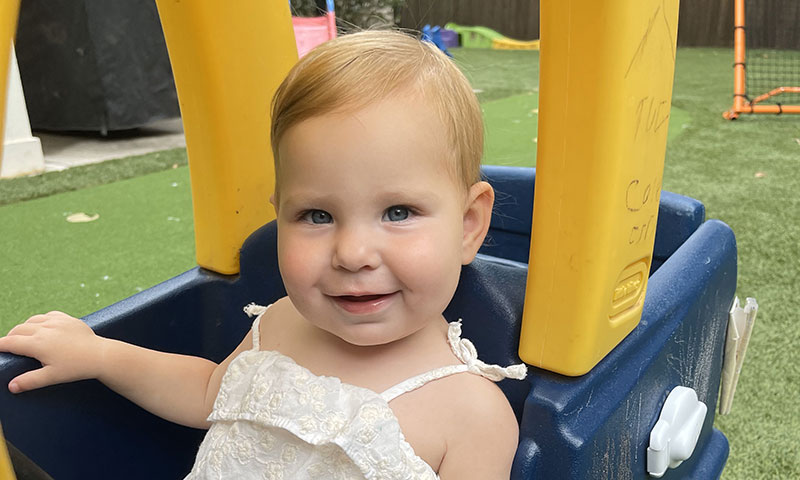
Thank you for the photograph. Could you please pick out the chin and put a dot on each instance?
(367, 340)
(369, 335)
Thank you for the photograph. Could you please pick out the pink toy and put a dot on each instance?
(311, 31)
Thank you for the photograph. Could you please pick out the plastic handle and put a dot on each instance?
(675, 434)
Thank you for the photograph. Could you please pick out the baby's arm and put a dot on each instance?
(482, 445)
(174, 387)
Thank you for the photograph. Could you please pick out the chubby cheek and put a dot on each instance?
(298, 265)
(431, 268)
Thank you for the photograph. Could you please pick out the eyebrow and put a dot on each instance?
(389, 197)
(408, 196)
(306, 198)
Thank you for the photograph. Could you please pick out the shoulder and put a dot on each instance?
(277, 321)
(480, 404)
(462, 425)
(482, 439)
(283, 329)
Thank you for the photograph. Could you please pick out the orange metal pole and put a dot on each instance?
(776, 109)
(739, 62)
(774, 93)
(740, 102)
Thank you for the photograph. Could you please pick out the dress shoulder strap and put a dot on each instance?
(253, 310)
(465, 351)
(417, 381)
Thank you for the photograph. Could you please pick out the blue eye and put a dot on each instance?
(318, 217)
(397, 213)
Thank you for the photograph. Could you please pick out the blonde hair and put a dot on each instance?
(356, 70)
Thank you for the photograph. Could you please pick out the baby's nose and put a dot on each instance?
(355, 249)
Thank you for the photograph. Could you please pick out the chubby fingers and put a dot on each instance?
(25, 329)
(29, 346)
(21, 342)
(30, 325)
(34, 323)
(41, 377)
(23, 339)
(44, 317)
(63, 344)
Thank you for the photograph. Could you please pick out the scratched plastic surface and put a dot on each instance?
(597, 426)
(606, 84)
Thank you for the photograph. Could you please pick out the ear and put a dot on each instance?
(274, 204)
(477, 216)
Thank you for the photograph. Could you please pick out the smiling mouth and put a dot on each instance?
(363, 304)
(361, 298)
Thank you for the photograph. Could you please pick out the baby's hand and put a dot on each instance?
(67, 348)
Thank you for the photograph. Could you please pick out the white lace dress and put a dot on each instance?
(274, 419)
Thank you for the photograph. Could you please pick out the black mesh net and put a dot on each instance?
(772, 39)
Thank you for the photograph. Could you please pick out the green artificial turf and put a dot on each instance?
(144, 235)
(511, 130)
(498, 74)
(744, 171)
(26, 188)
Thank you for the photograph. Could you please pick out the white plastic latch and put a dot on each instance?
(675, 434)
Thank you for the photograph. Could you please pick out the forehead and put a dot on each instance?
(400, 137)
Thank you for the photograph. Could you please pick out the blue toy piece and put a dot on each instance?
(434, 35)
(590, 427)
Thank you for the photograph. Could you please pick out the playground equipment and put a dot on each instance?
(768, 81)
(311, 31)
(483, 37)
(434, 35)
(597, 425)
(590, 237)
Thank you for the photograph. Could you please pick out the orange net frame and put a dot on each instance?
(767, 76)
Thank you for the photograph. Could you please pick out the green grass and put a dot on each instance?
(27, 188)
(144, 235)
(49, 263)
(511, 130)
(498, 74)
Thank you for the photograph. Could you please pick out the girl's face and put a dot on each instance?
(370, 221)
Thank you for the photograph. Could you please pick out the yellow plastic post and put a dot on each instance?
(228, 59)
(606, 72)
(8, 25)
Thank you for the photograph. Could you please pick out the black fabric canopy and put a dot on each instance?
(94, 65)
